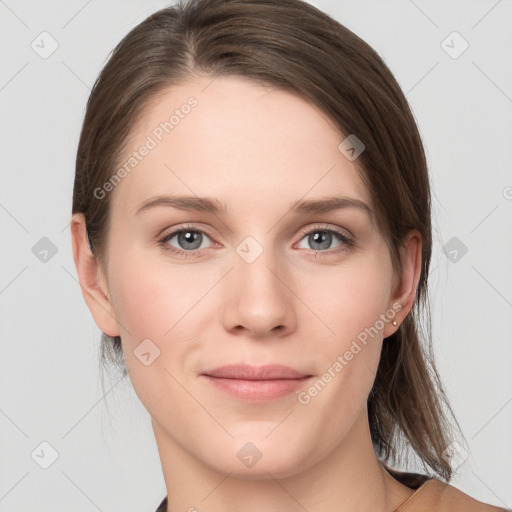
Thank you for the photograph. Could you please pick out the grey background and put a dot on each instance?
(50, 389)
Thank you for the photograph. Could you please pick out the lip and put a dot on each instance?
(248, 372)
(256, 383)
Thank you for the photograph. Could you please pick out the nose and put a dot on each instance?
(259, 297)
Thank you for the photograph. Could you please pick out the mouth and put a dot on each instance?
(256, 384)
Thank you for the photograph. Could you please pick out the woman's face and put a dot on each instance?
(263, 280)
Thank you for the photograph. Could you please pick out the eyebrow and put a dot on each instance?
(216, 207)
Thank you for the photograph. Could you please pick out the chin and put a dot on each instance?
(250, 463)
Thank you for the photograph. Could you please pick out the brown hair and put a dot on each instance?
(291, 45)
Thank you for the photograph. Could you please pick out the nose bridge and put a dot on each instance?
(260, 300)
(259, 262)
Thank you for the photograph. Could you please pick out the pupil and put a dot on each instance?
(320, 238)
(190, 237)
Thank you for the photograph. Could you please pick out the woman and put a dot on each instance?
(251, 230)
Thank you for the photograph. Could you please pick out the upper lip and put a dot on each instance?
(247, 372)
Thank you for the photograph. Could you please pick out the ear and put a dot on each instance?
(406, 285)
(91, 278)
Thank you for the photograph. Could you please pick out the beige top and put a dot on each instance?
(435, 495)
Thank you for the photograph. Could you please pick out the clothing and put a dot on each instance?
(431, 495)
(435, 495)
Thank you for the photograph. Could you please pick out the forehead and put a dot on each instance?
(236, 140)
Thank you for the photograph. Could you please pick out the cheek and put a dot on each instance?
(151, 297)
(349, 298)
(140, 301)
(163, 303)
(352, 302)
(153, 312)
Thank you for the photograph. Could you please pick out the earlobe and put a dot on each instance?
(92, 281)
(407, 285)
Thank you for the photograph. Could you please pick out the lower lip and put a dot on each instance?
(257, 390)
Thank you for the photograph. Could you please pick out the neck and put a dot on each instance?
(349, 478)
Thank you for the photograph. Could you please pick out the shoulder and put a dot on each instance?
(435, 495)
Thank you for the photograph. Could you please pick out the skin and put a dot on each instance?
(257, 149)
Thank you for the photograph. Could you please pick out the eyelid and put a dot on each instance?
(183, 227)
(326, 227)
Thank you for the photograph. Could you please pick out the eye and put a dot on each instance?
(321, 239)
(187, 239)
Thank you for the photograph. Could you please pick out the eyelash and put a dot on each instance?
(346, 241)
